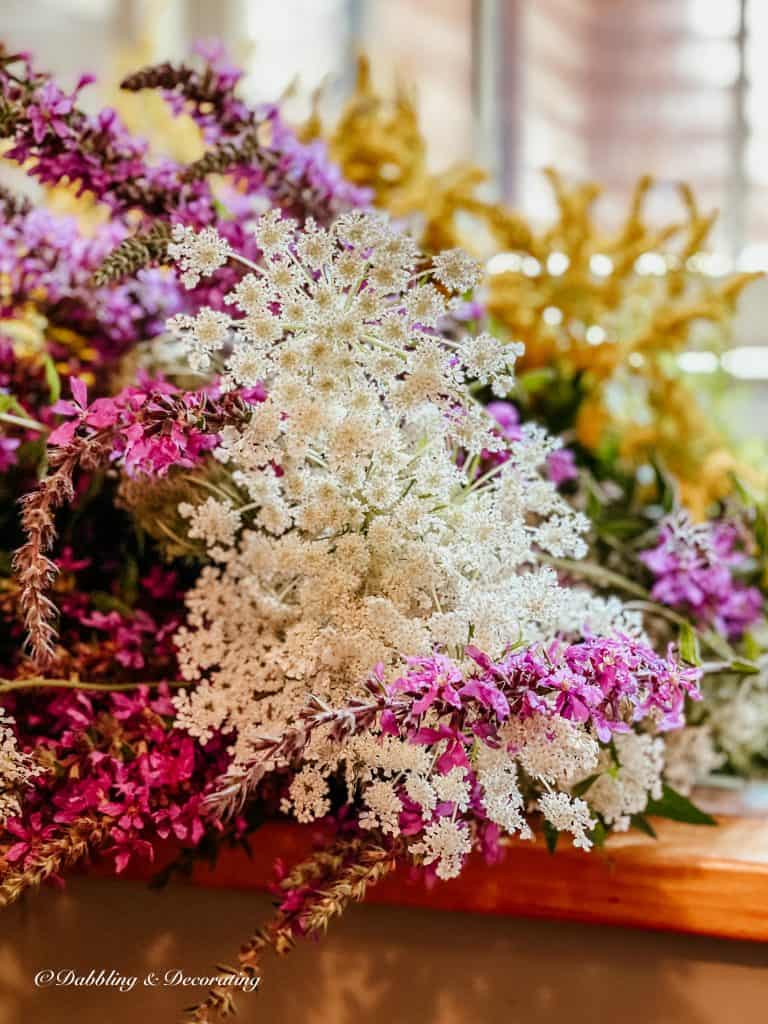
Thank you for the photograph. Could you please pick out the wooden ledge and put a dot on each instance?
(696, 879)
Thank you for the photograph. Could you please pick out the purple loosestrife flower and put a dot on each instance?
(608, 683)
(49, 112)
(153, 426)
(117, 758)
(47, 265)
(694, 571)
(451, 755)
(8, 448)
(59, 142)
(561, 466)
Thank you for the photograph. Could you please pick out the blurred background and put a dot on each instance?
(603, 90)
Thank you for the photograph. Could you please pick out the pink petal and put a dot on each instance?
(79, 391)
(63, 434)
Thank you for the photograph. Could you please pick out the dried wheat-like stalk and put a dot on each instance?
(12, 205)
(143, 250)
(54, 856)
(34, 569)
(333, 878)
(204, 89)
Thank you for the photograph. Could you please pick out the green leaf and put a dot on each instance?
(667, 491)
(689, 645)
(104, 602)
(746, 668)
(641, 823)
(551, 836)
(536, 380)
(52, 378)
(761, 529)
(676, 807)
(129, 580)
(599, 834)
(752, 647)
(581, 787)
(594, 507)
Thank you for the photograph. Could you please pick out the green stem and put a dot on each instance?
(22, 421)
(482, 480)
(38, 682)
(661, 610)
(213, 488)
(601, 576)
(247, 263)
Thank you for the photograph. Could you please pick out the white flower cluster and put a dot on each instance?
(690, 755)
(623, 790)
(553, 753)
(198, 253)
(370, 529)
(735, 711)
(568, 814)
(15, 770)
(602, 616)
(381, 515)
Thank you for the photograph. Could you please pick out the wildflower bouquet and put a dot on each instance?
(99, 765)
(603, 318)
(381, 628)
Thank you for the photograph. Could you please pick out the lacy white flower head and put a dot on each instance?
(16, 770)
(690, 756)
(375, 518)
(199, 254)
(619, 792)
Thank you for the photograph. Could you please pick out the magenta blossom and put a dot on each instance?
(507, 419)
(609, 683)
(118, 759)
(694, 569)
(561, 466)
(102, 412)
(8, 449)
(153, 426)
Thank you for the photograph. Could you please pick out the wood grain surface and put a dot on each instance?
(701, 880)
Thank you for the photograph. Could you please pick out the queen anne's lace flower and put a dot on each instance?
(446, 843)
(623, 790)
(16, 770)
(199, 253)
(382, 513)
(358, 442)
(690, 755)
(568, 814)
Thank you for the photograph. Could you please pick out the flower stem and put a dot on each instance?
(599, 575)
(22, 421)
(35, 682)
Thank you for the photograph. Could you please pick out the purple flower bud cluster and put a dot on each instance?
(60, 142)
(695, 571)
(153, 425)
(116, 758)
(47, 261)
(606, 683)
